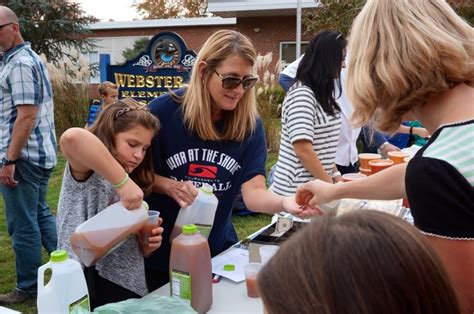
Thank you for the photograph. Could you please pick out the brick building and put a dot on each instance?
(270, 24)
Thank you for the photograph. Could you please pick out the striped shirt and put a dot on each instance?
(303, 118)
(455, 145)
(24, 80)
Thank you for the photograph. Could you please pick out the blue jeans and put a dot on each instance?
(29, 221)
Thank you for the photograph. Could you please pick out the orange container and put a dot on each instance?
(397, 156)
(378, 165)
(366, 157)
(366, 172)
(352, 177)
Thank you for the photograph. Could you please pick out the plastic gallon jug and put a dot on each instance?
(99, 235)
(191, 270)
(200, 213)
(66, 291)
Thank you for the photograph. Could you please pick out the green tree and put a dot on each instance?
(163, 9)
(332, 14)
(138, 46)
(339, 14)
(54, 27)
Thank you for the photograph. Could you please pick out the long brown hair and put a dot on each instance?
(119, 117)
(239, 122)
(361, 262)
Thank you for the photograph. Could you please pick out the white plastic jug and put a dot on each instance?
(200, 213)
(98, 236)
(66, 291)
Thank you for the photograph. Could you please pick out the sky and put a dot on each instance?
(118, 10)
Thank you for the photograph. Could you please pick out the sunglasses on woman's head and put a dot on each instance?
(231, 82)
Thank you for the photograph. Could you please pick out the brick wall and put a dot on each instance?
(266, 34)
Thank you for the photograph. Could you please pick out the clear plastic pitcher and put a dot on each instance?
(66, 291)
(99, 235)
(200, 213)
(191, 269)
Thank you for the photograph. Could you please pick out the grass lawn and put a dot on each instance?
(244, 225)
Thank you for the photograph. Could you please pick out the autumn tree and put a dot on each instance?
(54, 27)
(163, 9)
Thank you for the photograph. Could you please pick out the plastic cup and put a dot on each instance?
(347, 177)
(365, 171)
(251, 271)
(366, 157)
(397, 156)
(267, 251)
(378, 165)
(152, 223)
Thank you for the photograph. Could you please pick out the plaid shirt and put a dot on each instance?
(24, 80)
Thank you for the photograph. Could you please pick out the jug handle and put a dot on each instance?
(41, 271)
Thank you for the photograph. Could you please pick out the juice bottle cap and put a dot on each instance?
(206, 188)
(229, 267)
(189, 229)
(58, 256)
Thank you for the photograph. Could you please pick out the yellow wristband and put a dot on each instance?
(121, 183)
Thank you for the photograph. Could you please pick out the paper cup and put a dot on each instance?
(251, 271)
(267, 251)
(152, 223)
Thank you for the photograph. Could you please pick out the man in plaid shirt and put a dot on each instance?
(28, 155)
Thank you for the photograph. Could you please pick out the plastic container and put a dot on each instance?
(99, 235)
(191, 269)
(66, 291)
(251, 272)
(200, 213)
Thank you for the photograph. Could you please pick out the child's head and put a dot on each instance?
(126, 128)
(360, 262)
(108, 91)
(403, 52)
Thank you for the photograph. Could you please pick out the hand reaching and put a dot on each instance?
(292, 207)
(315, 193)
(183, 193)
(421, 132)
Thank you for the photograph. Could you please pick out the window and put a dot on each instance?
(93, 57)
(288, 50)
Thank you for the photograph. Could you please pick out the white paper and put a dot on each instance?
(235, 256)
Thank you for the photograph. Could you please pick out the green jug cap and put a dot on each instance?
(189, 229)
(58, 256)
(229, 267)
(145, 205)
(206, 188)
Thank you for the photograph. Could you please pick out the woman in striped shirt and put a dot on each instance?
(311, 119)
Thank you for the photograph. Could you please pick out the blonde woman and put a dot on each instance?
(414, 60)
(211, 133)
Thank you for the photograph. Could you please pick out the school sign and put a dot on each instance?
(166, 65)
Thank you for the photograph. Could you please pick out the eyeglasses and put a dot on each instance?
(6, 24)
(231, 82)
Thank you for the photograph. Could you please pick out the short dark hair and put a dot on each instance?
(359, 262)
(321, 66)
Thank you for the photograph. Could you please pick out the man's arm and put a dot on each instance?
(22, 127)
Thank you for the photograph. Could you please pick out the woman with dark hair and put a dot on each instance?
(311, 119)
(361, 262)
